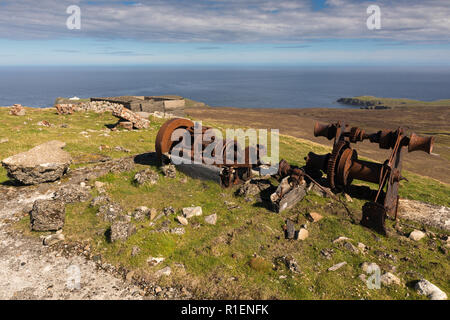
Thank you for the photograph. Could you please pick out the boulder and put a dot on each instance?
(417, 235)
(314, 217)
(44, 163)
(425, 287)
(388, 279)
(47, 215)
(109, 212)
(17, 110)
(122, 230)
(182, 220)
(72, 194)
(140, 213)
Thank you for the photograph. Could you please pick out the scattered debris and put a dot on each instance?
(426, 288)
(48, 215)
(44, 163)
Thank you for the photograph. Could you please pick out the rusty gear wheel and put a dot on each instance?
(164, 143)
(333, 161)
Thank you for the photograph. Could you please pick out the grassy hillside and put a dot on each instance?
(218, 261)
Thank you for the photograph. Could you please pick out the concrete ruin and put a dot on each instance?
(165, 104)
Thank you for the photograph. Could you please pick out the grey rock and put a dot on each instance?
(44, 163)
(350, 247)
(425, 287)
(109, 212)
(163, 272)
(290, 229)
(140, 213)
(169, 171)
(417, 235)
(182, 220)
(388, 279)
(192, 212)
(168, 211)
(178, 231)
(48, 215)
(211, 219)
(122, 230)
(135, 251)
(72, 194)
(146, 176)
(53, 239)
(291, 264)
(99, 201)
(337, 266)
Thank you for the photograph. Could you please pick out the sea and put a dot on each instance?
(224, 86)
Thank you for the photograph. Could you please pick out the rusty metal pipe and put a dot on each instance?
(365, 171)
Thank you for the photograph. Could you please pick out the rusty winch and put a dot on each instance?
(232, 172)
(342, 166)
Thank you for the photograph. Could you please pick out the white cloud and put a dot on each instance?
(226, 21)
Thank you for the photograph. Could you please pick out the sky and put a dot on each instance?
(225, 32)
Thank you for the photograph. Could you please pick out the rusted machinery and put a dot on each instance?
(342, 166)
(234, 172)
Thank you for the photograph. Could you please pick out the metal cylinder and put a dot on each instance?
(365, 171)
(418, 143)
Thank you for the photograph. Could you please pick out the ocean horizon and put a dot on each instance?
(233, 86)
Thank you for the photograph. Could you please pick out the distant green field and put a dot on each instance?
(393, 102)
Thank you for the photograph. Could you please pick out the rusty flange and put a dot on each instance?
(164, 143)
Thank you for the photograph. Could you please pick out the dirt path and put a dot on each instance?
(299, 123)
(30, 270)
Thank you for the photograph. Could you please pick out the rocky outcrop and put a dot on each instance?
(122, 230)
(47, 215)
(44, 163)
(17, 110)
(364, 104)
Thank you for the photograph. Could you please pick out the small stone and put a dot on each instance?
(363, 277)
(182, 220)
(100, 186)
(122, 230)
(302, 234)
(169, 171)
(163, 272)
(425, 287)
(146, 176)
(158, 290)
(327, 253)
(153, 213)
(152, 261)
(362, 248)
(110, 212)
(4, 140)
(99, 201)
(53, 239)
(168, 211)
(417, 235)
(369, 267)
(192, 212)
(340, 239)
(135, 251)
(290, 229)
(17, 110)
(350, 247)
(291, 264)
(178, 231)
(211, 219)
(314, 217)
(140, 213)
(348, 198)
(389, 279)
(337, 266)
(47, 215)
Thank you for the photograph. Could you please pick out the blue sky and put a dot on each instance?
(222, 32)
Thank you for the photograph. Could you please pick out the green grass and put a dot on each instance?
(219, 260)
